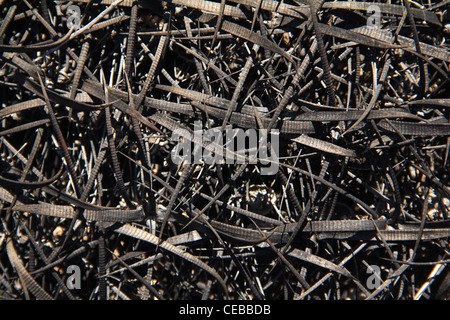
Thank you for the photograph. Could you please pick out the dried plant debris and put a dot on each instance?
(129, 168)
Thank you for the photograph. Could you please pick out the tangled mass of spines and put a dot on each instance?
(353, 94)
